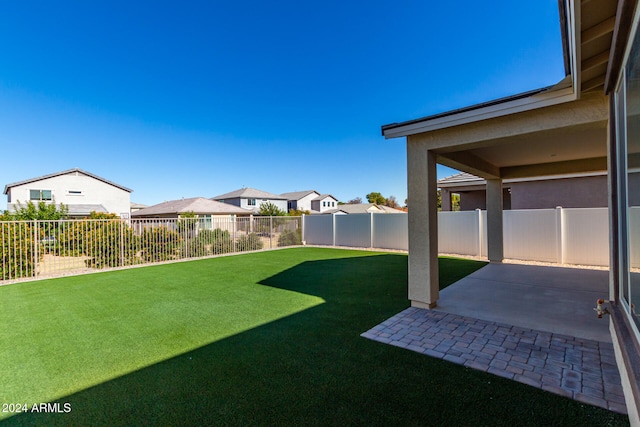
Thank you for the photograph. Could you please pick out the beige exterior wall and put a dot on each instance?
(63, 188)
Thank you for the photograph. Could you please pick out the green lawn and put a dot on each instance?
(270, 338)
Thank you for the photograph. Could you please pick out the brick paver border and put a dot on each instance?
(581, 369)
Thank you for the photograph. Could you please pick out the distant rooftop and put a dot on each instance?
(197, 205)
(65, 172)
(250, 193)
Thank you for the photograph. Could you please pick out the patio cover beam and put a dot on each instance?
(590, 108)
(463, 160)
(555, 168)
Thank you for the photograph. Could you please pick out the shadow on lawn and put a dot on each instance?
(314, 368)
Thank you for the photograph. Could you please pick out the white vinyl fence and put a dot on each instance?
(381, 231)
(561, 235)
(33, 249)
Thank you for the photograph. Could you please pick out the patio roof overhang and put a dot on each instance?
(561, 129)
(553, 140)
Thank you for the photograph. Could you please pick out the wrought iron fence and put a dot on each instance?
(33, 249)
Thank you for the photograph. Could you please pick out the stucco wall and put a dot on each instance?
(244, 203)
(586, 192)
(471, 200)
(304, 204)
(317, 205)
(92, 191)
(634, 186)
(234, 202)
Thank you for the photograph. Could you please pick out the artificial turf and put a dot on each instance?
(270, 338)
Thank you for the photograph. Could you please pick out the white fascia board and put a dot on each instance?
(530, 179)
(574, 33)
(541, 100)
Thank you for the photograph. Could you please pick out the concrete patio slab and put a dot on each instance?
(552, 299)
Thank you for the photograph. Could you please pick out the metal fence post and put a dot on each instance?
(233, 239)
(35, 248)
(121, 244)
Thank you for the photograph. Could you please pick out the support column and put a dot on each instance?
(423, 225)
(446, 199)
(495, 241)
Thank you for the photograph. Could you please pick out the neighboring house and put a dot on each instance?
(582, 190)
(202, 207)
(82, 192)
(137, 206)
(300, 200)
(311, 201)
(587, 123)
(323, 203)
(359, 208)
(252, 199)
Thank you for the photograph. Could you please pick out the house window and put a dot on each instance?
(251, 202)
(627, 99)
(39, 195)
(74, 193)
(632, 152)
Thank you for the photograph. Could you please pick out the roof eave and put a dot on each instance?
(530, 100)
(53, 175)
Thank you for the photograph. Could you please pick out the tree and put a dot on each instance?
(392, 202)
(376, 198)
(355, 201)
(42, 212)
(455, 201)
(269, 209)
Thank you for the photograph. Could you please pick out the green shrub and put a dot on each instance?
(250, 242)
(159, 244)
(17, 250)
(107, 243)
(222, 242)
(290, 238)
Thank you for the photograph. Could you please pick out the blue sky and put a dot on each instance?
(184, 99)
